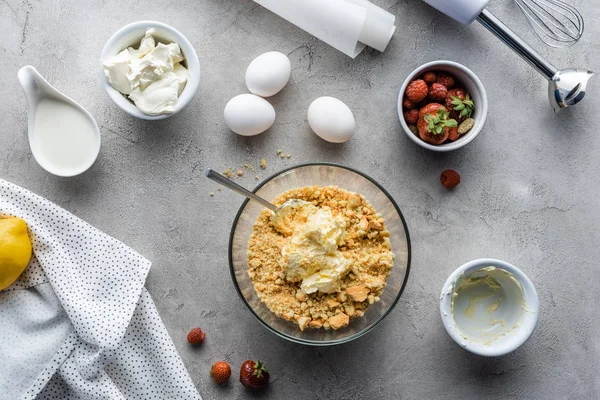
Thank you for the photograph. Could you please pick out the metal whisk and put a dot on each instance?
(566, 87)
(555, 22)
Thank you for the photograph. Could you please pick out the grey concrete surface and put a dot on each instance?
(529, 193)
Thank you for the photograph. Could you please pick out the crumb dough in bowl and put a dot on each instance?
(379, 302)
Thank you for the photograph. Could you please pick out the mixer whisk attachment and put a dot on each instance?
(555, 22)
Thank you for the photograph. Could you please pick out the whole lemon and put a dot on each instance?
(15, 250)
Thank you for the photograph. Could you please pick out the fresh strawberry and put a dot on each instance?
(196, 336)
(220, 371)
(411, 116)
(433, 123)
(451, 103)
(254, 375)
(450, 178)
(438, 92)
(416, 91)
(429, 77)
(430, 137)
(445, 79)
(409, 105)
(452, 133)
(458, 92)
(430, 108)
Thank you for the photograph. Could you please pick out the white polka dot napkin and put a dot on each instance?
(79, 324)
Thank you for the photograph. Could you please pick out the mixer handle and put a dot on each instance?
(513, 41)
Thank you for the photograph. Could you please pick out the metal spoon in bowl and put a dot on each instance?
(229, 184)
(280, 214)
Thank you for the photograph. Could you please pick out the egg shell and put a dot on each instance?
(248, 115)
(331, 119)
(268, 73)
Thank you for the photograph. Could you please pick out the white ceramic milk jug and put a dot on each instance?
(63, 136)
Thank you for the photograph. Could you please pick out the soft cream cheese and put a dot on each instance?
(152, 76)
(312, 253)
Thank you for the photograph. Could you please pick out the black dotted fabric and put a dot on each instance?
(117, 346)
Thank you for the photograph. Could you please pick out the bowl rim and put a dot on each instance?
(470, 136)
(326, 342)
(191, 57)
(520, 336)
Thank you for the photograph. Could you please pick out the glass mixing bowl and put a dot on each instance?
(321, 174)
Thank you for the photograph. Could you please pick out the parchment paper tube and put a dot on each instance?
(347, 25)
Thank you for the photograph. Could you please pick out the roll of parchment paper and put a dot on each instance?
(347, 25)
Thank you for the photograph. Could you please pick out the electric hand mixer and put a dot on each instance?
(566, 87)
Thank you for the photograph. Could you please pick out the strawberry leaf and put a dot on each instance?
(436, 123)
(465, 106)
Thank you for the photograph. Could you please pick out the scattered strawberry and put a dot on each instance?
(429, 77)
(416, 91)
(196, 336)
(433, 123)
(445, 79)
(450, 178)
(254, 375)
(409, 105)
(438, 92)
(220, 371)
(411, 116)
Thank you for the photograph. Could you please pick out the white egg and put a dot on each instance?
(331, 119)
(248, 115)
(268, 73)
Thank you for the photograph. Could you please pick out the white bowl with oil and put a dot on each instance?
(489, 307)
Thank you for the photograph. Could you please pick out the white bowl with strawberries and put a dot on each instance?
(442, 106)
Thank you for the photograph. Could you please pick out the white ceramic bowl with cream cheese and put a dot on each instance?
(489, 307)
(130, 35)
(470, 82)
